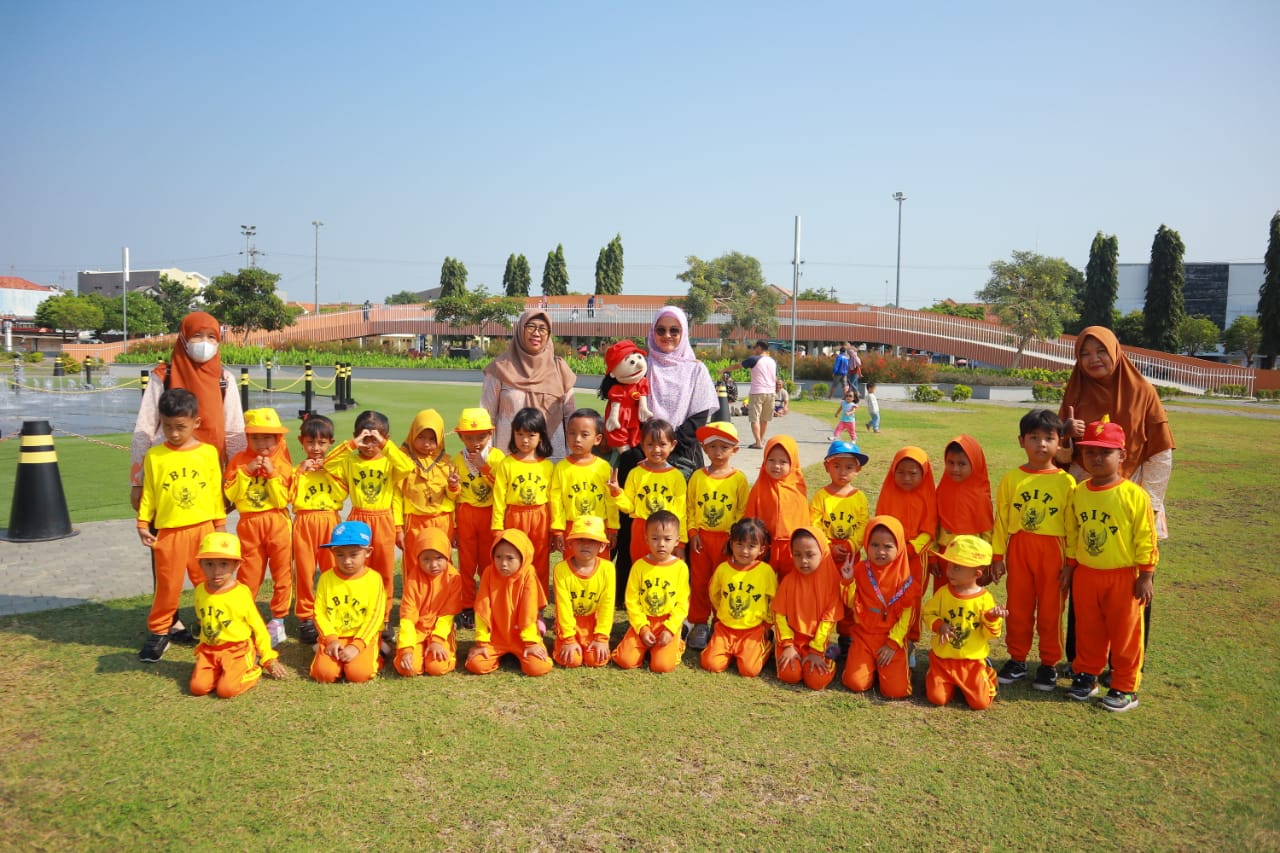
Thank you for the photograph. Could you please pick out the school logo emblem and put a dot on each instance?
(371, 487)
(256, 494)
(184, 496)
(1095, 537)
(1032, 518)
(714, 513)
(584, 503)
(655, 502)
(655, 600)
(211, 628)
(583, 604)
(739, 602)
(528, 493)
(347, 616)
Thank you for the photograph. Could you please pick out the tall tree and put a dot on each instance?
(246, 301)
(1164, 309)
(475, 308)
(453, 278)
(146, 317)
(555, 274)
(1031, 295)
(1101, 282)
(602, 270)
(1243, 336)
(1269, 298)
(513, 283)
(176, 301)
(1129, 329)
(732, 284)
(609, 267)
(1198, 334)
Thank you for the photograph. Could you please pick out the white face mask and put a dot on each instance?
(202, 351)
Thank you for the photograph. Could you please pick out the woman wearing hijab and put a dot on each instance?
(529, 374)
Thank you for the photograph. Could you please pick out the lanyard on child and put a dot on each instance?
(875, 587)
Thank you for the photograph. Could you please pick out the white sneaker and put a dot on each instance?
(275, 630)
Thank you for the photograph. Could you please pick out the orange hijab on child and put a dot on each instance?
(510, 605)
(966, 507)
(429, 477)
(917, 509)
(891, 582)
(783, 504)
(446, 598)
(809, 600)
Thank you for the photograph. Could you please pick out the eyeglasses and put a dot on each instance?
(664, 331)
(537, 329)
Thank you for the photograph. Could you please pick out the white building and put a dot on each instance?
(1221, 292)
(110, 283)
(19, 298)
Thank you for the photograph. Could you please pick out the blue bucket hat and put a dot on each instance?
(350, 533)
(846, 448)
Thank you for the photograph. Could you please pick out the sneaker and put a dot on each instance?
(1012, 672)
(153, 648)
(275, 630)
(466, 619)
(387, 644)
(1105, 679)
(182, 636)
(699, 636)
(1082, 687)
(1067, 673)
(1117, 701)
(1046, 678)
(308, 634)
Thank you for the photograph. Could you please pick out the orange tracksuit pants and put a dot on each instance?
(861, 669)
(529, 665)
(1108, 620)
(230, 668)
(266, 539)
(745, 645)
(422, 665)
(702, 565)
(327, 670)
(472, 526)
(974, 679)
(780, 556)
(584, 634)
(1035, 595)
(535, 522)
(311, 529)
(631, 651)
(383, 559)
(814, 677)
(174, 560)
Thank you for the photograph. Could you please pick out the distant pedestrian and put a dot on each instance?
(365, 309)
(764, 381)
(839, 374)
(591, 306)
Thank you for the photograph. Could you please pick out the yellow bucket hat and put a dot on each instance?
(587, 527)
(474, 420)
(263, 422)
(219, 546)
(968, 551)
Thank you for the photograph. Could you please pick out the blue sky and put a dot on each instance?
(417, 131)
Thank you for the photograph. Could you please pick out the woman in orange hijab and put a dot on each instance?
(805, 611)
(883, 595)
(908, 495)
(964, 501)
(507, 608)
(780, 498)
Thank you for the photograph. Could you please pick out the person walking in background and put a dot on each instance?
(764, 382)
(839, 374)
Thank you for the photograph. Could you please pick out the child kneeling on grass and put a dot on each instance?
(507, 608)
(657, 599)
(963, 616)
(741, 592)
(350, 609)
(585, 590)
(235, 648)
(427, 642)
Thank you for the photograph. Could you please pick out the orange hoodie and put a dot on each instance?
(507, 608)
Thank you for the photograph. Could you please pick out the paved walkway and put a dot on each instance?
(104, 559)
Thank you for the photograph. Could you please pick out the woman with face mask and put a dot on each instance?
(196, 366)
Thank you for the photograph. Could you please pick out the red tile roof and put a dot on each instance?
(8, 282)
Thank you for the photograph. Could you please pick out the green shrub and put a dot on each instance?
(1230, 390)
(33, 357)
(1165, 392)
(960, 393)
(1042, 393)
(1041, 374)
(1269, 394)
(926, 394)
(819, 391)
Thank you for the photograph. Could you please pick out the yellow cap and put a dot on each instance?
(219, 546)
(587, 527)
(968, 551)
(718, 431)
(263, 422)
(474, 420)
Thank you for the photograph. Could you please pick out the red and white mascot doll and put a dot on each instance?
(627, 390)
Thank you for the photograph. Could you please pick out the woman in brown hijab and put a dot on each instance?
(529, 374)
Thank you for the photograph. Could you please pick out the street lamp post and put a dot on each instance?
(316, 308)
(248, 231)
(897, 291)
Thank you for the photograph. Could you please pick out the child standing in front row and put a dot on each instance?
(1112, 555)
(716, 499)
(424, 497)
(317, 500)
(1033, 504)
(580, 481)
(847, 417)
(350, 609)
(908, 495)
(427, 643)
(962, 616)
(657, 599)
(839, 509)
(742, 591)
(507, 608)
(585, 591)
(885, 599)
(780, 498)
(964, 502)
(234, 648)
(473, 507)
(653, 485)
(522, 492)
(805, 611)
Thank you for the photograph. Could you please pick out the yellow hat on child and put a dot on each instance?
(474, 420)
(587, 527)
(968, 550)
(718, 431)
(219, 546)
(263, 422)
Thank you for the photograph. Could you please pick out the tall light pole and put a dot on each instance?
(248, 231)
(317, 223)
(897, 291)
(795, 294)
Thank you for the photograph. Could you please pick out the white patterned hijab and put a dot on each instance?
(679, 384)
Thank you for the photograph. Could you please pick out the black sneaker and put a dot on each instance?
(1083, 686)
(1046, 678)
(308, 634)
(1117, 701)
(153, 648)
(466, 619)
(182, 636)
(1012, 672)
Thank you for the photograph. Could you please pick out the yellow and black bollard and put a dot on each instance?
(306, 412)
(144, 379)
(39, 510)
(244, 389)
(722, 391)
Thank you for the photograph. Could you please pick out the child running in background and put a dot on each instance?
(963, 617)
(885, 598)
(742, 591)
(805, 611)
(507, 608)
(847, 417)
(839, 509)
(1033, 504)
(964, 502)
(317, 498)
(350, 609)
(657, 599)
(580, 481)
(370, 465)
(234, 648)
(908, 495)
(475, 463)
(873, 408)
(424, 496)
(716, 499)
(653, 485)
(427, 643)
(585, 591)
(522, 493)
(258, 481)
(780, 498)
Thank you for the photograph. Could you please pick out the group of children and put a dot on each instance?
(741, 572)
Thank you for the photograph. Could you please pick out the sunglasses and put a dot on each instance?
(663, 331)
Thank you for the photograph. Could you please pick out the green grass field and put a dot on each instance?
(100, 751)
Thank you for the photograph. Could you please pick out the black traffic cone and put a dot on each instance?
(39, 510)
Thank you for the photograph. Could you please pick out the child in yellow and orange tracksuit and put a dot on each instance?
(657, 599)
(585, 590)
(432, 596)
(963, 617)
(473, 506)
(716, 499)
(258, 480)
(580, 481)
(742, 591)
(424, 497)
(522, 491)
(317, 501)
(350, 609)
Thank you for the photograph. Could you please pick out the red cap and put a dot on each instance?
(1102, 434)
(614, 355)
